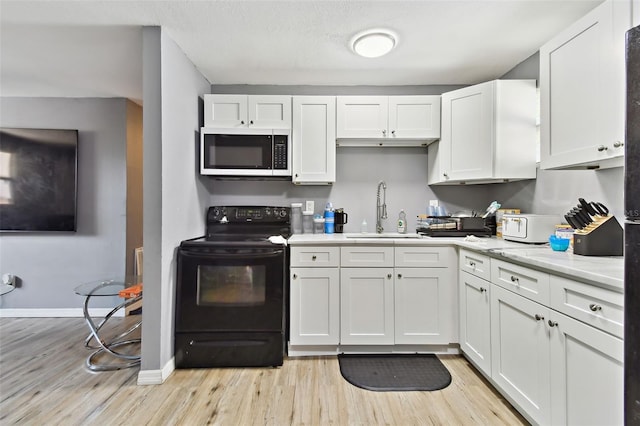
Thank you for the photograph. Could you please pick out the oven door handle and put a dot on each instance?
(211, 256)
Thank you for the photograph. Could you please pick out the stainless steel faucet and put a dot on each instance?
(381, 208)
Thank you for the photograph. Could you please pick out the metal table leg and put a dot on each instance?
(109, 347)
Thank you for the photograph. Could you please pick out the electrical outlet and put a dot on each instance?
(309, 206)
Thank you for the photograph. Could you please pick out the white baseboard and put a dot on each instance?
(55, 312)
(156, 377)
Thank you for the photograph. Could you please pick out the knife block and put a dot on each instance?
(604, 237)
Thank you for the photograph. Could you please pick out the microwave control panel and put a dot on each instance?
(280, 160)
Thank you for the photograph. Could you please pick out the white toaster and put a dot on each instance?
(529, 228)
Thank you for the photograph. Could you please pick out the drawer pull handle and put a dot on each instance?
(389, 276)
(295, 276)
(482, 289)
(538, 317)
(595, 307)
(552, 323)
(313, 257)
(515, 280)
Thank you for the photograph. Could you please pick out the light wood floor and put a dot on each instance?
(43, 381)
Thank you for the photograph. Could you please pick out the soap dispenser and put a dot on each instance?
(402, 222)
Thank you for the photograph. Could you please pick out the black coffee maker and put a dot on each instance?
(340, 219)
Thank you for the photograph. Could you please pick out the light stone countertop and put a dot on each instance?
(602, 271)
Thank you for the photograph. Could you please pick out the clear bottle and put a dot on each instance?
(307, 222)
(402, 222)
(364, 228)
(296, 218)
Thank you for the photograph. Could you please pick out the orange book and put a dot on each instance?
(133, 291)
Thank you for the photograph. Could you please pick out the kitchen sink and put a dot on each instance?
(385, 235)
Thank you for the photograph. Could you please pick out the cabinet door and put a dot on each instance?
(315, 306)
(362, 117)
(270, 112)
(422, 300)
(586, 374)
(314, 139)
(225, 111)
(582, 89)
(475, 320)
(467, 133)
(414, 117)
(366, 306)
(520, 352)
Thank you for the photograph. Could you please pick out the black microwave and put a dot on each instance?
(245, 152)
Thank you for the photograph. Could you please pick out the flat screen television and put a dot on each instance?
(38, 179)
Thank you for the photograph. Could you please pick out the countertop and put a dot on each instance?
(604, 271)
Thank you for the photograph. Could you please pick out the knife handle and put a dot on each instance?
(602, 209)
(587, 207)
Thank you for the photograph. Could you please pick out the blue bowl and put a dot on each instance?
(559, 244)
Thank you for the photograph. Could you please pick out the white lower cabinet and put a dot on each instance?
(315, 302)
(556, 369)
(366, 306)
(475, 320)
(586, 374)
(314, 317)
(520, 352)
(421, 304)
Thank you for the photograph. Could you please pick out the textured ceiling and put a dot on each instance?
(93, 48)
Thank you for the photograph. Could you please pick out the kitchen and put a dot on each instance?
(406, 190)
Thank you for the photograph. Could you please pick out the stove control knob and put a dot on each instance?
(283, 213)
(216, 214)
(267, 211)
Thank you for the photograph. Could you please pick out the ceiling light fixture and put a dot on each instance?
(374, 43)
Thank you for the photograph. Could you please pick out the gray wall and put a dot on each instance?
(174, 198)
(51, 265)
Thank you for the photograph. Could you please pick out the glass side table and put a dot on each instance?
(110, 287)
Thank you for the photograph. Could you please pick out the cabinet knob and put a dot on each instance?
(594, 307)
(472, 264)
(515, 280)
(445, 175)
(314, 257)
(602, 148)
(384, 133)
(295, 276)
(389, 276)
(538, 317)
(552, 323)
(399, 275)
(251, 122)
(617, 144)
(482, 289)
(242, 122)
(393, 132)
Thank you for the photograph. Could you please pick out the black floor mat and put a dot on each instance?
(397, 372)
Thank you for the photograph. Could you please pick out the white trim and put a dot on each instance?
(156, 377)
(55, 312)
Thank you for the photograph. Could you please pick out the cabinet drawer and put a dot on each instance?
(423, 257)
(526, 282)
(598, 307)
(366, 256)
(476, 264)
(318, 256)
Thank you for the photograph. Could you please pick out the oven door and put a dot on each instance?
(236, 287)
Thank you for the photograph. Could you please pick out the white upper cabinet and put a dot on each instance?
(255, 111)
(488, 134)
(582, 91)
(314, 139)
(636, 12)
(387, 120)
